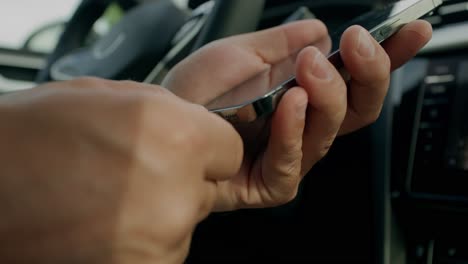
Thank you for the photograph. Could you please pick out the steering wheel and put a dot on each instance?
(77, 30)
(147, 35)
(127, 51)
(228, 18)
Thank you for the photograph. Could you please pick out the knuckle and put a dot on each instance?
(286, 197)
(127, 83)
(87, 82)
(216, 48)
(381, 78)
(290, 159)
(189, 137)
(371, 116)
(239, 152)
(384, 65)
(291, 149)
(336, 104)
(291, 165)
(387, 61)
(181, 217)
(176, 225)
(137, 105)
(199, 108)
(326, 146)
(320, 25)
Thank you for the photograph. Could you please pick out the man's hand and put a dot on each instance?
(96, 171)
(308, 117)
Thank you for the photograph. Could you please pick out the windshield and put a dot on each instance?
(19, 19)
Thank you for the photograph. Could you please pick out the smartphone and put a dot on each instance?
(252, 100)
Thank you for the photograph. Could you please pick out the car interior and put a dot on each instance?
(393, 192)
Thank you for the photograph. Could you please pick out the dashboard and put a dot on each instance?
(394, 192)
(430, 173)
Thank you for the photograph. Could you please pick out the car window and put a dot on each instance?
(22, 19)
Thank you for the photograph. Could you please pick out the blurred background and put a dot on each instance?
(395, 192)
(29, 17)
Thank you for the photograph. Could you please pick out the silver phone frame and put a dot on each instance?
(266, 104)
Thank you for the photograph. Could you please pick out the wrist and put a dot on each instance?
(6, 114)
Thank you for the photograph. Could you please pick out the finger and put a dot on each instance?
(369, 67)
(275, 44)
(327, 104)
(222, 146)
(281, 165)
(407, 42)
(211, 71)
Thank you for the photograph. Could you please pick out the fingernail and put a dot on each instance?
(366, 47)
(321, 68)
(301, 109)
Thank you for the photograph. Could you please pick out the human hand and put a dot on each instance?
(97, 171)
(309, 117)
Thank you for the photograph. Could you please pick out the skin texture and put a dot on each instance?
(98, 171)
(278, 153)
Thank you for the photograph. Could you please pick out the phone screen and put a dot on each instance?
(268, 86)
(282, 73)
